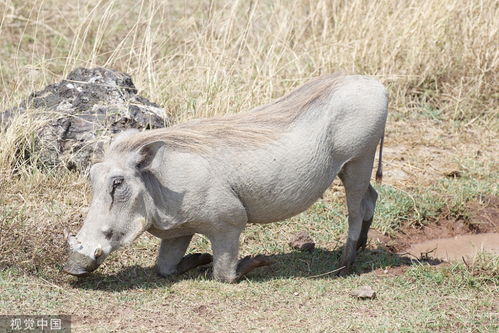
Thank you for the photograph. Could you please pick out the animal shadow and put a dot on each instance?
(317, 264)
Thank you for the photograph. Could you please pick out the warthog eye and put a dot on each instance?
(117, 182)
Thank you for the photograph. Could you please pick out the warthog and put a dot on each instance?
(215, 176)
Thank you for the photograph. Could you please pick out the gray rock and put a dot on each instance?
(84, 111)
(365, 292)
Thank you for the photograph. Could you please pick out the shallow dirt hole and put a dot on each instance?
(450, 239)
(456, 248)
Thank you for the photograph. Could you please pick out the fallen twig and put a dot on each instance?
(327, 273)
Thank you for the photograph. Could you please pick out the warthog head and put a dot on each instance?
(118, 212)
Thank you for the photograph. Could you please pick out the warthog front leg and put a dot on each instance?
(171, 258)
(226, 266)
(249, 263)
(225, 253)
(193, 260)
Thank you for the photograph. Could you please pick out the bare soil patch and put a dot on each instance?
(450, 239)
(458, 247)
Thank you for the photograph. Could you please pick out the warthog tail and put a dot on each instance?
(379, 172)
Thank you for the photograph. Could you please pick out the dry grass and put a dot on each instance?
(18, 148)
(214, 57)
(440, 62)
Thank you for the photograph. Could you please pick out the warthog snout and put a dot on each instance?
(80, 264)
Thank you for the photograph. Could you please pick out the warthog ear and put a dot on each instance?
(146, 154)
(119, 138)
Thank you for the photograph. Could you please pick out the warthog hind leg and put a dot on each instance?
(361, 244)
(361, 198)
(368, 206)
(347, 258)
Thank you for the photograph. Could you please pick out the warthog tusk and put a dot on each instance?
(142, 222)
(98, 252)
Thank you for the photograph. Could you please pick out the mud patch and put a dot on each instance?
(450, 239)
(456, 248)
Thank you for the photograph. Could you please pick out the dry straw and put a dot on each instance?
(204, 58)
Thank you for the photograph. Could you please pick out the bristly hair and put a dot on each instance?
(242, 130)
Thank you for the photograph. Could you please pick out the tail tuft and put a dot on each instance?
(379, 172)
(379, 176)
